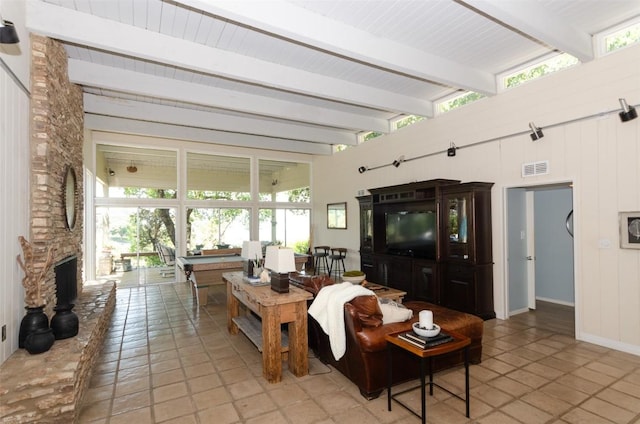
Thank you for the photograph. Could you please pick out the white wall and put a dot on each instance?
(600, 155)
(14, 180)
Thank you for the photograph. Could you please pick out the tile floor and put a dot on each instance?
(166, 361)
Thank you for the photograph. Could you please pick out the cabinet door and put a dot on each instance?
(425, 282)
(458, 225)
(394, 271)
(459, 288)
(366, 224)
(366, 266)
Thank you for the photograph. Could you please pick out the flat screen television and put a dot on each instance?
(411, 233)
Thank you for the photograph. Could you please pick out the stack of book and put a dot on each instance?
(425, 342)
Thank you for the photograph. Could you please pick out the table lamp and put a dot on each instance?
(280, 261)
(251, 255)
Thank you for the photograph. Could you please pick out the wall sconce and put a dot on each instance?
(536, 133)
(451, 151)
(398, 161)
(8, 34)
(362, 169)
(628, 112)
(112, 172)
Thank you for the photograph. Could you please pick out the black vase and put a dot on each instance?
(65, 322)
(35, 319)
(39, 341)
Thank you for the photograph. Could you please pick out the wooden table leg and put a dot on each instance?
(271, 344)
(298, 342)
(233, 310)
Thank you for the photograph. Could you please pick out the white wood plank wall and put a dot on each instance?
(14, 200)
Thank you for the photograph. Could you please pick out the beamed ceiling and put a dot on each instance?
(300, 75)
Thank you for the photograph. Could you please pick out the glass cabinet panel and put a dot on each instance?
(457, 227)
(458, 220)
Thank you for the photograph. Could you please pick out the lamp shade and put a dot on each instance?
(251, 250)
(280, 259)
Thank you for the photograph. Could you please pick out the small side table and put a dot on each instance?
(459, 342)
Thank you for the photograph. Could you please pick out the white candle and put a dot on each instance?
(426, 319)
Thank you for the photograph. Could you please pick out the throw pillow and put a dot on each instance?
(394, 312)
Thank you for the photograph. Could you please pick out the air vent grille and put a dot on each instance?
(535, 168)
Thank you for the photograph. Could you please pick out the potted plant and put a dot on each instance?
(35, 334)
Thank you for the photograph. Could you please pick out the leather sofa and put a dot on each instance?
(365, 362)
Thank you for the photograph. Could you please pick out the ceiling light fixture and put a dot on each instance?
(536, 133)
(363, 169)
(112, 172)
(8, 34)
(132, 168)
(628, 112)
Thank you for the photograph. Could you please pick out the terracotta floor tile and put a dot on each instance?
(172, 362)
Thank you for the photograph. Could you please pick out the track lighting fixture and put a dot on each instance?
(8, 34)
(451, 151)
(536, 133)
(628, 112)
(362, 169)
(398, 161)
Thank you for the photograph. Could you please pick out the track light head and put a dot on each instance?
(451, 151)
(362, 169)
(536, 133)
(628, 112)
(8, 34)
(398, 161)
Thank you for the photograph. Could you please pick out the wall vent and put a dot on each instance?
(535, 168)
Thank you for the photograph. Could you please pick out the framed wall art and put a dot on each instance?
(629, 230)
(337, 215)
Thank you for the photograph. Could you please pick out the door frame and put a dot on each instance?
(576, 242)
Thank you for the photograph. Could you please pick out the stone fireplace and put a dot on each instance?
(57, 134)
(49, 387)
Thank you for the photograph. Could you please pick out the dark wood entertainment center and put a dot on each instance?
(431, 239)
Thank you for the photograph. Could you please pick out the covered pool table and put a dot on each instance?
(205, 270)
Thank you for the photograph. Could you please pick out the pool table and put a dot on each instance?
(205, 270)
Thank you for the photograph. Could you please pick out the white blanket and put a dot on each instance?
(328, 309)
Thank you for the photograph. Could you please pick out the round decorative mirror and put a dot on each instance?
(69, 186)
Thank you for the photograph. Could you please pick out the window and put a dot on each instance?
(221, 228)
(284, 181)
(407, 120)
(130, 172)
(211, 177)
(459, 100)
(287, 227)
(622, 38)
(539, 69)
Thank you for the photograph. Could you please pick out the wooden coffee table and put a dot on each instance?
(459, 342)
(385, 292)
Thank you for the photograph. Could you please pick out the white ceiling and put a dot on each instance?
(300, 75)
